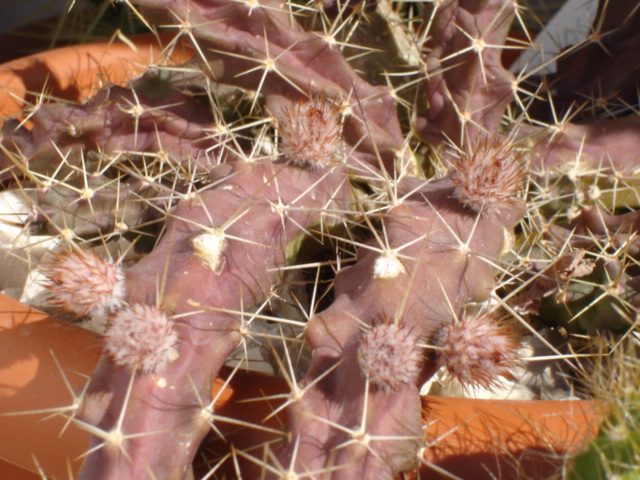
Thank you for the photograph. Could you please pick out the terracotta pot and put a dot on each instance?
(43, 360)
(508, 439)
(74, 72)
(37, 354)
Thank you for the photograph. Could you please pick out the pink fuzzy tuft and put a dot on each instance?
(84, 283)
(389, 356)
(310, 133)
(488, 177)
(477, 351)
(141, 336)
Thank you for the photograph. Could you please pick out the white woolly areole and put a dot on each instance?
(389, 356)
(208, 246)
(141, 336)
(387, 265)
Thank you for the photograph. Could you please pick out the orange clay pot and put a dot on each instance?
(73, 73)
(43, 361)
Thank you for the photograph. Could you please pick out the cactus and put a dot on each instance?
(615, 451)
(429, 210)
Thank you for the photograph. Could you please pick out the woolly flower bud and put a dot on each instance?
(310, 133)
(477, 351)
(389, 356)
(488, 177)
(141, 336)
(84, 283)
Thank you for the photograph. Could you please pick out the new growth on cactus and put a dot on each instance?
(390, 356)
(85, 284)
(310, 133)
(488, 176)
(141, 336)
(477, 351)
(353, 195)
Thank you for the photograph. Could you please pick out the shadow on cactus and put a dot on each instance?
(283, 133)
